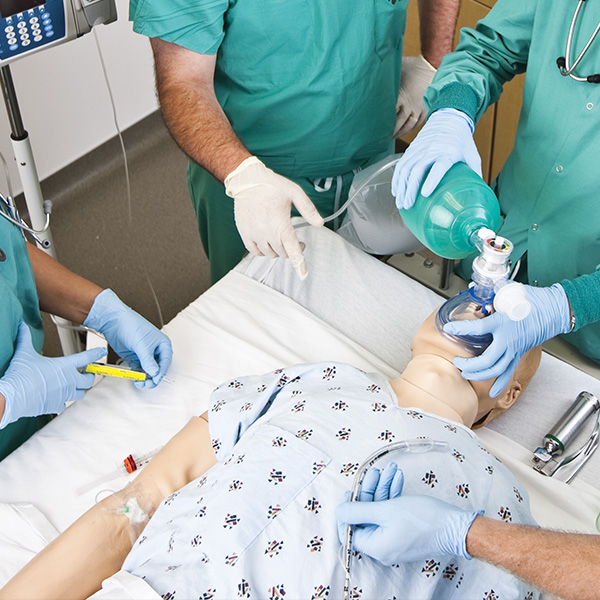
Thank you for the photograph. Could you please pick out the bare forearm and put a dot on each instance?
(61, 292)
(564, 564)
(95, 546)
(75, 564)
(437, 19)
(184, 81)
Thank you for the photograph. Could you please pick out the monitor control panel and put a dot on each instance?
(27, 26)
(30, 28)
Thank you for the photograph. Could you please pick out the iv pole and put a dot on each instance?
(33, 192)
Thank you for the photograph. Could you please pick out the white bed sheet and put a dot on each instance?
(381, 309)
(360, 311)
(238, 327)
(386, 314)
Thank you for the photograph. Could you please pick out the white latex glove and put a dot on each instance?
(263, 205)
(417, 74)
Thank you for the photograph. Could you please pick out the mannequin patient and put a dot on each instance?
(241, 502)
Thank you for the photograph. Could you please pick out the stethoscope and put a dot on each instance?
(16, 219)
(564, 62)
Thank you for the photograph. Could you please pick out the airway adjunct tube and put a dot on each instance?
(417, 446)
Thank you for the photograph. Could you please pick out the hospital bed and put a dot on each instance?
(353, 308)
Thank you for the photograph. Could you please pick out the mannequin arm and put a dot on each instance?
(95, 546)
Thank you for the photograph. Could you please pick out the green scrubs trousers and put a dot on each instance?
(310, 88)
(220, 238)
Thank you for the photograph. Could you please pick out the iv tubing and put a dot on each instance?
(349, 201)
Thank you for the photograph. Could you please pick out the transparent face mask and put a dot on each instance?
(489, 291)
(463, 307)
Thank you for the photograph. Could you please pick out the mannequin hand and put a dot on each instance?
(133, 338)
(550, 315)
(263, 204)
(417, 74)
(35, 385)
(446, 139)
(406, 528)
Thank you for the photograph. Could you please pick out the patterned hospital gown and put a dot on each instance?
(261, 523)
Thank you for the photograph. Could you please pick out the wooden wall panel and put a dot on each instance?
(471, 11)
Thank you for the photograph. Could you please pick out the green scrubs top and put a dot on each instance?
(550, 185)
(310, 87)
(19, 303)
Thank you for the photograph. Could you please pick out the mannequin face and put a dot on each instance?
(431, 382)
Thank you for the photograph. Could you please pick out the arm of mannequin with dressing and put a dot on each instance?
(95, 546)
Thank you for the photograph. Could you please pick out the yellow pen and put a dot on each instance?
(115, 371)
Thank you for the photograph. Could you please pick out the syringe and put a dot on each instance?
(115, 371)
(131, 463)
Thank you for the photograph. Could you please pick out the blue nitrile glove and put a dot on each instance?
(376, 486)
(406, 528)
(550, 315)
(133, 338)
(446, 139)
(36, 385)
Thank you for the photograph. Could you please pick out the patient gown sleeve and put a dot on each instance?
(237, 404)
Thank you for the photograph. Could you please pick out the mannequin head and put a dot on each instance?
(431, 382)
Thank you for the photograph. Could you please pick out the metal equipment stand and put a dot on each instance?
(446, 274)
(32, 191)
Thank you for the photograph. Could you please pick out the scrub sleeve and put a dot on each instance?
(19, 303)
(548, 187)
(313, 99)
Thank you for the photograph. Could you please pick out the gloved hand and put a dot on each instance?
(417, 74)
(134, 339)
(550, 315)
(36, 385)
(446, 139)
(263, 204)
(406, 528)
(376, 486)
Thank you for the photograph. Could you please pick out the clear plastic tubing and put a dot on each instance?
(392, 161)
(415, 446)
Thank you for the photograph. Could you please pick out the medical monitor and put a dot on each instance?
(27, 26)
